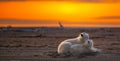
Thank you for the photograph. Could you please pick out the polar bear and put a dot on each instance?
(86, 47)
(65, 46)
(77, 46)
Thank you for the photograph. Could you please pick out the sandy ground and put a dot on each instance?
(42, 45)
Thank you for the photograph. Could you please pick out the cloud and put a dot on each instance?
(14, 21)
(90, 0)
(109, 17)
(95, 23)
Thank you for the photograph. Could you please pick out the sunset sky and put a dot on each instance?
(71, 13)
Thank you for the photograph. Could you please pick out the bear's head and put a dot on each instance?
(83, 37)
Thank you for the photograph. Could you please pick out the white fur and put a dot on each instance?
(76, 46)
(65, 46)
(78, 49)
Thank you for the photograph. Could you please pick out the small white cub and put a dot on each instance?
(87, 47)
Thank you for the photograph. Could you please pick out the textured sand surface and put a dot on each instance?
(42, 45)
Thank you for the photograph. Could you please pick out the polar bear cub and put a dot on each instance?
(86, 47)
(65, 46)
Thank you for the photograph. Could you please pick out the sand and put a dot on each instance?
(42, 45)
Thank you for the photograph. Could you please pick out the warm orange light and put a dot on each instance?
(67, 8)
(60, 11)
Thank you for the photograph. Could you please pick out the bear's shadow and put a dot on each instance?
(54, 54)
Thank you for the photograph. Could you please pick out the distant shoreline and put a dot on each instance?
(57, 27)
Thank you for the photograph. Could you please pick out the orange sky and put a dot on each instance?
(69, 13)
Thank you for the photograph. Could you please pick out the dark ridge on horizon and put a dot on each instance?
(16, 21)
(65, 26)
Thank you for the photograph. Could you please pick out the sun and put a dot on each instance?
(68, 8)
